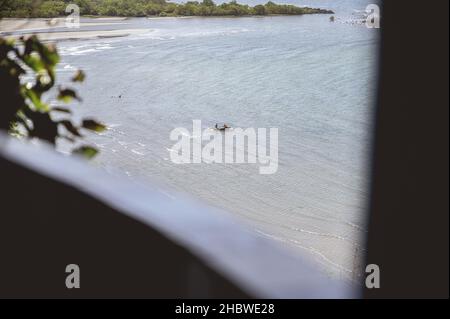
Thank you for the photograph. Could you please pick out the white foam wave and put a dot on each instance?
(137, 152)
(159, 34)
(85, 49)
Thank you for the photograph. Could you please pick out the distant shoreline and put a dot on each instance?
(323, 11)
(122, 18)
(155, 8)
(45, 28)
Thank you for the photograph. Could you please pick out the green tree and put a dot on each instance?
(259, 10)
(208, 3)
(53, 8)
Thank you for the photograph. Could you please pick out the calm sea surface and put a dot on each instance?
(312, 79)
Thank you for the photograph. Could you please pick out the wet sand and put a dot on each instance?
(56, 29)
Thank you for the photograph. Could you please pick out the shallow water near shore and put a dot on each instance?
(312, 79)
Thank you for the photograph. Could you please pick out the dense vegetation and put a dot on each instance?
(141, 8)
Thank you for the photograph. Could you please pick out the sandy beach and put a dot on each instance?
(56, 29)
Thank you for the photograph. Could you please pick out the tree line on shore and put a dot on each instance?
(142, 8)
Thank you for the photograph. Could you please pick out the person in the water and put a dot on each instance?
(223, 128)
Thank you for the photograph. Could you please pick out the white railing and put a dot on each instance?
(254, 264)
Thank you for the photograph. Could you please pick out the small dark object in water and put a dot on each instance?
(223, 128)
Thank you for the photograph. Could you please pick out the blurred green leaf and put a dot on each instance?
(79, 76)
(86, 151)
(8, 42)
(70, 127)
(15, 69)
(66, 95)
(93, 125)
(35, 98)
(47, 52)
(20, 118)
(43, 126)
(61, 109)
(34, 62)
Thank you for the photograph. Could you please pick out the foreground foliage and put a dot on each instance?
(27, 72)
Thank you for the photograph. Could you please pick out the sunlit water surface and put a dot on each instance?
(312, 79)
